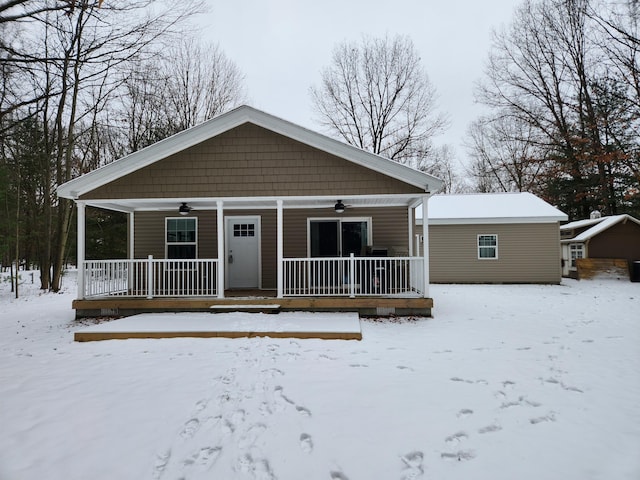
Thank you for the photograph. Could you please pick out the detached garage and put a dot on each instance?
(493, 238)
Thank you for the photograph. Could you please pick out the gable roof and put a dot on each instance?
(227, 121)
(485, 208)
(598, 225)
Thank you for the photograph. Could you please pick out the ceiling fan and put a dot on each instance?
(184, 209)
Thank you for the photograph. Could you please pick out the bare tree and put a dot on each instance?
(544, 71)
(376, 95)
(71, 57)
(201, 82)
(186, 85)
(503, 150)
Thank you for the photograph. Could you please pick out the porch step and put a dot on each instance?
(251, 307)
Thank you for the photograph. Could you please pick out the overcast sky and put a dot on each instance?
(282, 45)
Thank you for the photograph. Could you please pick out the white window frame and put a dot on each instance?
(368, 220)
(167, 243)
(495, 247)
(575, 247)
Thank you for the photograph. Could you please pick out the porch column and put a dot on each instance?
(411, 213)
(425, 245)
(221, 259)
(131, 236)
(280, 249)
(81, 248)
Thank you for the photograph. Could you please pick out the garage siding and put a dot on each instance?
(527, 253)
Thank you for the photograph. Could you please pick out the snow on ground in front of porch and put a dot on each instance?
(232, 322)
(528, 382)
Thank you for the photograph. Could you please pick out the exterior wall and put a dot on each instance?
(250, 161)
(619, 241)
(389, 229)
(527, 253)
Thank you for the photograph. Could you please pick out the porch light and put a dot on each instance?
(184, 209)
(339, 206)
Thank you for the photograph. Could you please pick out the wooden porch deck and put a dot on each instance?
(261, 299)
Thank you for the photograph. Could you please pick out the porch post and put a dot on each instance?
(280, 249)
(131, 236)
(81, 248)
(411, 213)
(425, 245)
(221, 259)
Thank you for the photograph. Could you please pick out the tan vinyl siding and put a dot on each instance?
(389, 230)
(389, 227)
(527, 253)
(149, 228)
(250, 161)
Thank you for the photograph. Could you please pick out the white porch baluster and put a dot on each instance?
(150, 277)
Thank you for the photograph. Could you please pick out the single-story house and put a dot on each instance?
(493, 238)
(615, 237)
(250, 205)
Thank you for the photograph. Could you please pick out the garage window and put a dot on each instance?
(487, 246)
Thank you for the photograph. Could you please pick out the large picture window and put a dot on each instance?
(181, 238)
(487, 246)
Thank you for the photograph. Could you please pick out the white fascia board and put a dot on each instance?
(489, 221)
(571, 240)
(222, 123)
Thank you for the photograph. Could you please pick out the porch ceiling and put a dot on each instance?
(256, 203)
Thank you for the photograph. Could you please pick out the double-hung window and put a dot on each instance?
(487, 246)
(181, 238)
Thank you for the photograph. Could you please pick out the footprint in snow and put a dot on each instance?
(338, 476)
(547, 418)
(465, 412)
(306, 443)
(204, 458)
(490, 428)
(305, 412)
(190, 428)
(571, 389)
(402, 367)
(252, 435)
(456, 438)
(413, 465)
(458, 456)
(162, 460)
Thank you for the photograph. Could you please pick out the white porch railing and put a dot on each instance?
(340, 276)
(150, 278)
(353, 276)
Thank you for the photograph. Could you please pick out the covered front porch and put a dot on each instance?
(308, 256)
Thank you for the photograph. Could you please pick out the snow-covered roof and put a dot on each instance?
(232, 119)
(599, 225)
(483, 208)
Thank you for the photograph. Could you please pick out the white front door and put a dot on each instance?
(242, 251)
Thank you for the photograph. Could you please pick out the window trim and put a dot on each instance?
(495, 247)
(167, 243)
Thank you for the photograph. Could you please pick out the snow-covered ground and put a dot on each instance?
(506, 382)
